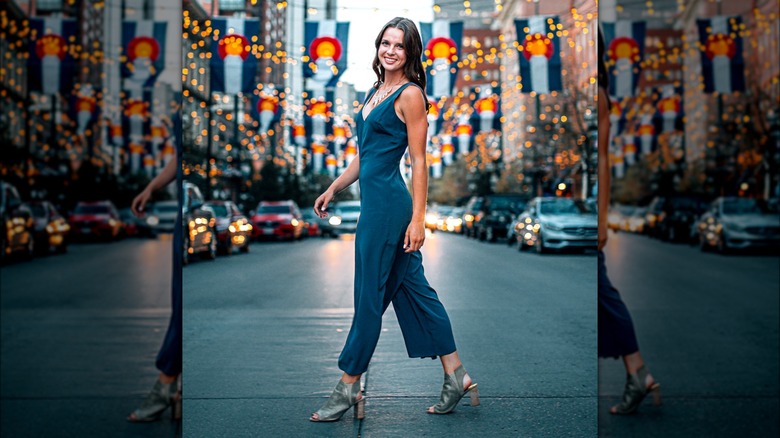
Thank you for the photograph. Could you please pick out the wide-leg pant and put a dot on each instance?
(169, 358)
(384, 275)
(616, 330)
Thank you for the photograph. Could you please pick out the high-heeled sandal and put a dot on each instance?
(157, 401)
(636, 391)
(343, 397)
(453, 391)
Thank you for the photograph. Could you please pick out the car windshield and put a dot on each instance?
(684, 203)
(559, 206)
(348, 208)
(38, 210)
(274, 209)
(740, 206)
(166, 208)
(219, 209)
(92, 209)
(444, 211)
(514, 204)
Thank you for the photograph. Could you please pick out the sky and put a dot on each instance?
(365, 24)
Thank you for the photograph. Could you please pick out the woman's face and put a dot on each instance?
(392, 54)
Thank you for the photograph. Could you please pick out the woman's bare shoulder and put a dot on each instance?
(412, 97)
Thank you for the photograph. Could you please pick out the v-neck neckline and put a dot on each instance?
(364, 116)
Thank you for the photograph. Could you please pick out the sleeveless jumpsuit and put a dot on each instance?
(384, 273)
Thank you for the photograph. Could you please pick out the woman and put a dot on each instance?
(391, 230)
(616, 331)
(166, 390)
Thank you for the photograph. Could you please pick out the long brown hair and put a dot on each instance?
(413, 69)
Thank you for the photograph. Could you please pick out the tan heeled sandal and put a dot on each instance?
(635, 392)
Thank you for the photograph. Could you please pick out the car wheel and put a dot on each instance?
(212, 253)
(245, 248)
(29, 252)
(229, 248)
(723, 247)
(539, 246)
(520, 244)
(185, 257)
(62, 249)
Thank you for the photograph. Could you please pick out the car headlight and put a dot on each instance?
(112, 222)
(294, 222)
(430, 219)
(335, 220)
(152, 221)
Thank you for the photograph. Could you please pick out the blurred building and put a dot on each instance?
(13, 87)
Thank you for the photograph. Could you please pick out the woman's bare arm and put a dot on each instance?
(602, 201)
(411, 106)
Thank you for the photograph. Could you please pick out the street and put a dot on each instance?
(707, 327)
(263, 331)
(80, 333)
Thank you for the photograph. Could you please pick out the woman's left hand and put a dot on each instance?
(415, 236)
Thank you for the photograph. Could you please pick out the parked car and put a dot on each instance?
(432, 216)
(233, 228)
(198, 222)
(17, 227)
(496, 214)
(470, 212)
(135, 226)
(737, 223)
(343, 218)
(51, 229)
(312, 224)
(555, 223)
(277, 219)
(634, 222)
(672, 218)
(95, 219)
(162, 217)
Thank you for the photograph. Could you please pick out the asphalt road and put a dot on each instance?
(263, 332)
(707, 326)
(80, 333)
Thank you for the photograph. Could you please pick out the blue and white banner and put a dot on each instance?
(143, 43)
(540, 53)
(669, 115)
(136, 121)
(233, 65)
(487, 109)
(83, 107)
(51, 62)
(326, 51)
(722, 64)
(442, 47)
(625, 41)
(266, 109)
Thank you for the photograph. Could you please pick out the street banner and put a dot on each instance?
(447, 149)
(266, 109)
(83, 106)
(464, 131)
(625, 41)
(51, 63)
(434, 117)
(722, 64)
(669, 117)
(136, 120)
(325, 59)
(487, 109)
(629, 148)
(617, 117)
(143, 56)
(233, 63)
(442, 46)
(540, 58)
(646, 127)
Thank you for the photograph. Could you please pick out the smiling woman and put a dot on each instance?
(391, 229)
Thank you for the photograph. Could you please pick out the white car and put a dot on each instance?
(737, 223)
(344, 218)
(555, 223)
(162, 218)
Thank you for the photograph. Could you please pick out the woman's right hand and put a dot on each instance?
(321, 204)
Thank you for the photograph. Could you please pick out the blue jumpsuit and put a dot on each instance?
(384, 273)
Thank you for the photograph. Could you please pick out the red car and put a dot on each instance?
(277, 219)
(95, 219)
